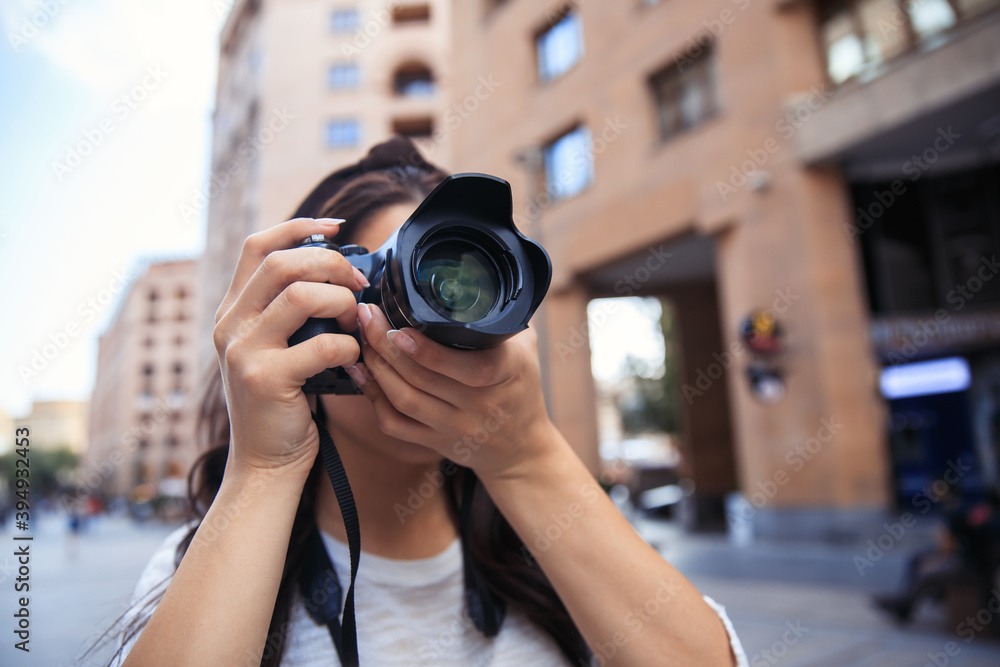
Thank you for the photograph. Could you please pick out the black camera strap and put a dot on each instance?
(345, 635)
(318, 581)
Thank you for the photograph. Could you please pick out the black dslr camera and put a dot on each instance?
(457, 270)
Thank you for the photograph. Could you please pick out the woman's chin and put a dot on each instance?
(355, 417)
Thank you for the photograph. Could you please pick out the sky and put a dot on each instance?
(105, 130)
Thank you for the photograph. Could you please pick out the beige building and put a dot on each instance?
(57, 425)
(306, 86)
(142, 410)
(723, 155)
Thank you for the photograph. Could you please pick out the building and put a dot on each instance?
(306, 86)
(731, 157)
(56, 425)
(143, 407)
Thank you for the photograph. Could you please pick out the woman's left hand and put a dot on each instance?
(482, 409)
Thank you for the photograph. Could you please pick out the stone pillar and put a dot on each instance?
(564, 348)
(822, 450)
(706, 434)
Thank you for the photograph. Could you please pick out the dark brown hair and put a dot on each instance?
(501, 557)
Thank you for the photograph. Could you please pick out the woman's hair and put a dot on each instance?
(502, 559)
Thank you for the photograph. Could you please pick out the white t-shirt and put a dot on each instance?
(409, 612)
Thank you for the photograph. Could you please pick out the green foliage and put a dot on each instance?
(44, 467)
(655, 405)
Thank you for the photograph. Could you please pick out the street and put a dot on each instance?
(794, 606)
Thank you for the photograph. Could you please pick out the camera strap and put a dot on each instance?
(318, 580)
(345, 635)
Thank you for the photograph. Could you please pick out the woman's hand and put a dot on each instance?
(275, 288)
(482, 409)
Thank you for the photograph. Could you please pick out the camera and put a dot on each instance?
(457, 270)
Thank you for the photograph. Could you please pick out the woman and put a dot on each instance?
(596, 594)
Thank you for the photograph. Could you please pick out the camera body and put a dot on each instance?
(457, 270)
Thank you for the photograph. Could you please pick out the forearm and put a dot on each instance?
(623, 596)
(218, 605)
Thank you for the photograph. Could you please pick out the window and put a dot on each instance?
(413, 80)
(560, 46)
(343, 133)
(411, 14)
(414, 128)
(343, 76)
(344, 20)
(686, 94)
(569, 163)
(860, 36)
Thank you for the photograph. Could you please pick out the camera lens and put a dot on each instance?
(458, 280)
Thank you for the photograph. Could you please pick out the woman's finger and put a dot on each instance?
(257, 246)
(407, 399)
(300, 301)
(301, 362)
(478, 368)
(391, 421)
(379, 334)
(283, 268)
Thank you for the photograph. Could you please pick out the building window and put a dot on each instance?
(860, 36)
(411, 14)
(344, 20)
(182, 293)
(344, 133)
(343, 76)
(413, 80)
(569, 163)
(179, 341)
(560, 46)
(415, 128)
(686, 93)
(153, 295)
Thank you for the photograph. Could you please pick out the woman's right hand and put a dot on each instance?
(275, 288)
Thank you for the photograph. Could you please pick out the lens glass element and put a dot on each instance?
(458, 280)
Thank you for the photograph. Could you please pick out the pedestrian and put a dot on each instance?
(506, 553)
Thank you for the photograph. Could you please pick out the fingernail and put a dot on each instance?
(364, 314)
(329, 222)
(356, 375)
(402, 341)
(361, 278)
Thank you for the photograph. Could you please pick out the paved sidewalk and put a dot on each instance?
(799, 605)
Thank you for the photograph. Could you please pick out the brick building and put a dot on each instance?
(731, 157)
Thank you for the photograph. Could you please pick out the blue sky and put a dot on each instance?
(104, 131)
